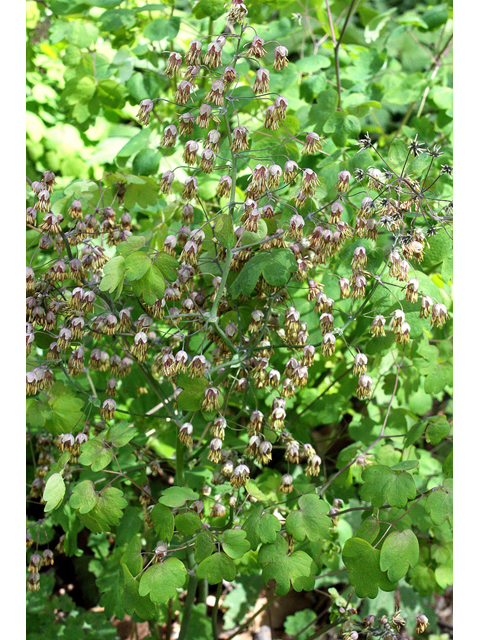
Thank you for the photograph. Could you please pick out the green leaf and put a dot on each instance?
(310, 520)
(312, 64)
(163, 521)
(296, 570)
(342, 127)
(368, 530)
(106, 512)
(224, 231)
(114, 273)
(82, 34)
(147, 162)
(437, 430)
(212, 9)
(268, 526)
(116, 19)
(326, 105)
(137, 264)
(84, 497)
(136, 143)
(277, 271)
(439, 503)
(167, 265)
(363, 565)
(447, 269)
(252, 490)
(144, 193)
(132, 557)
(188, 522)
(120, 434)
(177, 496)
(276, 267)
(103, 3)
(250, 237)
(132, 601)
(422, 578)
(53, 492)
(193, 394)
(448, 465)
(151, 286)
(216, 568)
(442, 377)
(251, 526)
(66, 410)
(397, 155)
(38, 413)
(436, 16)
(161, 580)
(439, 248)
(95, 455)
(405, 465)
(204, 546)
(248, 277)
(111, 94)
(383, 483)
(234, 543)
(162, 28)
(399, 552)
(296, 624)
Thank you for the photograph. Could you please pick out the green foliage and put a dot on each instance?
(310, 520)
(399, 551)
(383, 483)
(161, 580)
(216, 568)
(295, 625)
(364, 572)
(54, 492)
(275, 267)
(296, 570)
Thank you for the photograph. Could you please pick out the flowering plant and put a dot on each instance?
(219, 394)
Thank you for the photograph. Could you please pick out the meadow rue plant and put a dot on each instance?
(259, 383)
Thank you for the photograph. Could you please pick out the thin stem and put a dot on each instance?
(337, 43)
(180, 463)
(215, 610)
(202, 590)
(438, 64)
(190, 599)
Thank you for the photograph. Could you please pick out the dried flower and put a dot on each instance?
(144, 113)
(173, 65)
(281, 60)
(313, 143)
(256, 48)
(364, 388)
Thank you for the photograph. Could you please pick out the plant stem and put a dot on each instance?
(202, 590)
(179, 453)
(153, 629)
(188, 606)
(215, 610)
